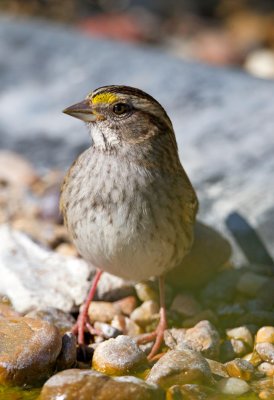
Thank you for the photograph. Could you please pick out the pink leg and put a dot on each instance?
(80, 325)
(158, 334)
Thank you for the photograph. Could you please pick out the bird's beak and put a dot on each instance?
(82, 110)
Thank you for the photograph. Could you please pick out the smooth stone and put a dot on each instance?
(75, 384)
(7, 311)
(118, 356)
(145, 313)
(266, 368)
(62, 320)
(147, 291)
(178, 367)
(265, 351)
(126, 326)
(209, 252)
(253, 358)
(102, 311)
(16, 170)
(67, 357)
(113, 288)
(28, 350)
(127, 304)
(186, 305)
(106, 331)
(250, 283)
(239, 368)
(265, 335)
(203, 338)
(233, 386)
(218, 369)
(241, 333)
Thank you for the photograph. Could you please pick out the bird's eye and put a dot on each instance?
(121, 108)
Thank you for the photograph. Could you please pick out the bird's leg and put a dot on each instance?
(79, 327)
(158, 334)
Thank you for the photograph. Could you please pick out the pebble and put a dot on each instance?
(106, 331)
(232, 348)
(265, 335)
(146, 313)
(186, 305)
(126, 305)
(233, 386)
(178, 367)
(266, 368)
(218, 369)
(118, 356)
(126, 325)
(209, 252)
(62, 320)
(250, 283)
(102, 311)
(265, 351)
(75, 384)
(16, 170)
(7, 311)
(67, 356)
(146, 291)
(203, 337)
(112, 288)
(239, 368)
(253, 358)
(28, 350)
(241, 333)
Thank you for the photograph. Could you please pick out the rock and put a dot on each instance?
(106, 331)
(146, 291)
(28, 350)
(241, 333)
(265, 335)
(239, 368)
(186, 305)
(62, 320)
(91, 384)
(209, 252)
(16, 170)
(261, 63)
(7, 311)
(102, 311)
(233, 386)
(112, 288)
(40, 278)
(232, 348)
(218, 369)
(118, 356)
(266, 351)
(178, 367)
(253, 358)
(67, 357)
(145, 313)
(126, 325)
(250, 283)
(203, 337)
(126, 305)
(266, 368)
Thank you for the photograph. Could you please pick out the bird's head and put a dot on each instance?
(118, 115)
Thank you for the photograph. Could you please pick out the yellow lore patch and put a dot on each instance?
(105, 98)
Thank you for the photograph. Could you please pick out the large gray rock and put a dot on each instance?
(223, 119)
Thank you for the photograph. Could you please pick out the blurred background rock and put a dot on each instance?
(237, 33)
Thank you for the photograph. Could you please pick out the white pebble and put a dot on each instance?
(233, 386)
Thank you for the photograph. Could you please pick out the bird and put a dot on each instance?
(127, 201)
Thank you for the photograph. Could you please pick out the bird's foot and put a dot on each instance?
(157, 336)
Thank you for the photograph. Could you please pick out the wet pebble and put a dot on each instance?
(239, 368)
(241, 333)
(62, 320)
(28, 350)
(67, 357)
(146, 313)
(106, 331)
(203, 337)
(118, 356)
(178, 367)
(218, 369)
(265, 351)
(74, 384)
(265, 335)
(233, 386)
(266, 368)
